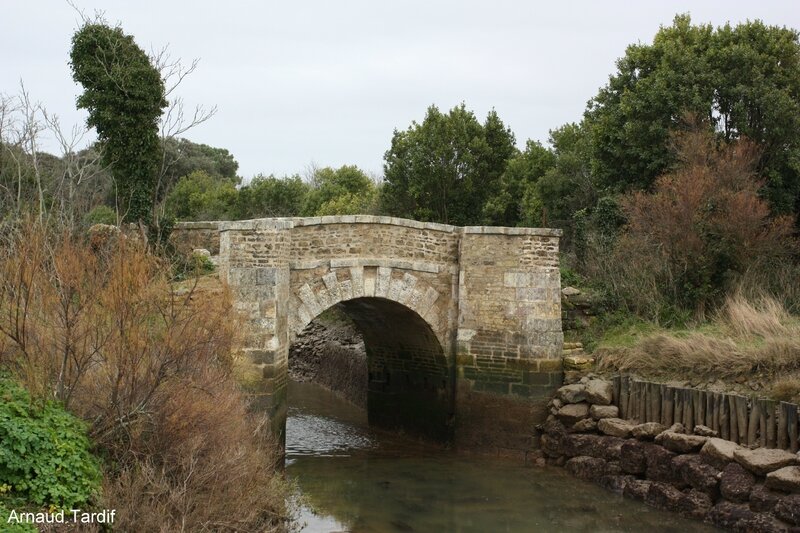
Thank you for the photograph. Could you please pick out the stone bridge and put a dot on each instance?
(462, 325)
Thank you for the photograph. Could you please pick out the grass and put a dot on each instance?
(746, 337)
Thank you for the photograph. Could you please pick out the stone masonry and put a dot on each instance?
(462, 325)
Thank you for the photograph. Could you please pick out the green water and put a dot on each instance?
(356, 479)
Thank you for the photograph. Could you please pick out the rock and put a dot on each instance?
(736, 483)
(677, 427)
(788, 509)
(555, 440)
(659, 464)
(762, 461)
(663, 496)
(599, 392)
(636, 489)
(570, 291)
(679, 442)
(201, 252)
(572, 413)
(632, 457)
(575, 393)
(585, 426)
(608, 448)
(616, 427)
(762, 499)
(694, 504)
(578, 362)
(786, 479)
(728, 515)
(719, 452)
(584, 467)
(696, 473)
(705, 431)
(615, 483)
(647, 431)
(558, 404)
(604, 411)
(612, 468)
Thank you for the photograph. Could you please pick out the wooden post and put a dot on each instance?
(724, 418)
(615, 382)
(678, 410)
(752, 424)
(699, 402)
(667, 405)
(762, 422)
(783, 433)
(655, 402)
(709, 418)
(791, 425)
(715, 412)
(647, 408)
(741, 414)
(734, 418)
(770, 408)
(623, 397)
(688, 409)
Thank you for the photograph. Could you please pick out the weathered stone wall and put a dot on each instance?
(186, 236)
(412, 288)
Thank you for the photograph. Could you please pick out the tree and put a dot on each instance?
(744, 80)
(268, 196)
(125, 97)
(328, 185)
(200, 196)
(446, 168)
(182, 157)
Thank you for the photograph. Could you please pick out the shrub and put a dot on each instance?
(44, 451)
(102, 214)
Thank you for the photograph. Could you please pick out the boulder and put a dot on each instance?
(612, 448)
(578, 362)
(705, 431)
(762, 499)
(663, 496)
(694, 504)
(788, 509)
(677, 427)
(786, 479)
(728, 515)
(586, 425)
(612, 468)
(616, 427)
(599, 392)
(572, 413)
(584, 467)
(762, 461)
(647, 431)
(697, 474)
(570, 291)
(636, 489)
(659, 464)
(719, 452)
(604, 411)
(680, 442)
(575, 393)
(580, 444)
(632, 457)
(615, 483)
(201, 253)
(736, 483)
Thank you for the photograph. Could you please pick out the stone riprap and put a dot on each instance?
(462, 325)
(695, 475)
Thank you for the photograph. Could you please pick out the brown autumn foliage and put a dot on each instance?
(104, 331)
(702, 225)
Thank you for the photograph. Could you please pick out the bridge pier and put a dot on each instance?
(462, 325)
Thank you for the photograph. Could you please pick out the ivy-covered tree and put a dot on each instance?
(125, 97)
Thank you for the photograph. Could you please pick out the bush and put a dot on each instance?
(44, 451)
(102, 214)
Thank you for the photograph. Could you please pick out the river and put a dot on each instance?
(357, 479)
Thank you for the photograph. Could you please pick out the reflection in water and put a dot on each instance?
(360, 480)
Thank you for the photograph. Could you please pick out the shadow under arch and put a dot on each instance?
(410, 379)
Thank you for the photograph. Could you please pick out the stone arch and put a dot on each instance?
(338, 285)
(411, 378)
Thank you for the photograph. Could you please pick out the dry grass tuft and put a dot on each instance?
(748, 336)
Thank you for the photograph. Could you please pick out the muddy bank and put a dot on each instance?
(331, 353)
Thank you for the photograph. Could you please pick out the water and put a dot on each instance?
(356, 479)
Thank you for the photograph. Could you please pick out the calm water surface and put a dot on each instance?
(356, 479)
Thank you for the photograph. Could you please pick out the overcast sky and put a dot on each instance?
(327, 82)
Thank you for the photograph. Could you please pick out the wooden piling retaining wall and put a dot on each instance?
(746, 421)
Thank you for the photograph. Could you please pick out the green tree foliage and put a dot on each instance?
(346, 187)
(508, 206)
(44, 451)
(446, 168)
(125, 97)
(268, 196)
(744, 80)
(182, 157)
(200, 196)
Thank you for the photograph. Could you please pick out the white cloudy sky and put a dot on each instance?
(301, 82)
